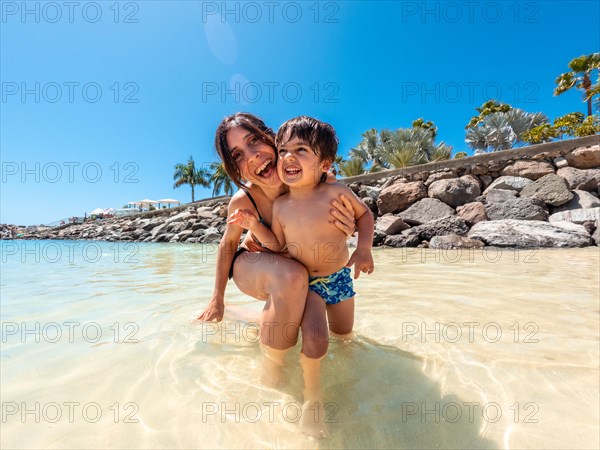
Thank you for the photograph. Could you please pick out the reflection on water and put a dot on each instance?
(484, 349)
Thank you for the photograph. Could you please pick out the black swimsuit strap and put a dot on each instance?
(245, 189)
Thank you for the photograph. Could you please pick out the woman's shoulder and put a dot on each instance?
(239, 200)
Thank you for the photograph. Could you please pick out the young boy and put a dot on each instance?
(306, 150)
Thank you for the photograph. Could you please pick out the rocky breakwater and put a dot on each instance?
(191, 224)
(541, 196)
(548, 200)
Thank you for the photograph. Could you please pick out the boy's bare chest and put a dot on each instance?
(308, 217)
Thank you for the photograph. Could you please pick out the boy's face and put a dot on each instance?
(298, 165)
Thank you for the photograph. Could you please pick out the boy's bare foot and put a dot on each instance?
(313, 419)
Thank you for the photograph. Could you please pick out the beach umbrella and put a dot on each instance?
(146, 203)
(97, 211)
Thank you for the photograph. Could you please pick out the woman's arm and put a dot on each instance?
(227, 248)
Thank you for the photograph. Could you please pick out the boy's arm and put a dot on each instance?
(361, 258)
(248, 220)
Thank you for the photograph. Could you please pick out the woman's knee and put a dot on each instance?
(292, 279)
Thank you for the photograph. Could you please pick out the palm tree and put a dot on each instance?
(220, 180)
(188, 174)
(429, 125)
(367, 149)
(503, 130)
(401, 148)
(580, 77)
(352, 167)
(408, 154)
(489, 107)
(441, 152)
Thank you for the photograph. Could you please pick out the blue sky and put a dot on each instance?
(101, 99)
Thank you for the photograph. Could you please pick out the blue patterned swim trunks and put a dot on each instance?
(334, 288)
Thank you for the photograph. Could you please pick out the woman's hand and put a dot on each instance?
(250, 244)
(214, 311)
(343, 215)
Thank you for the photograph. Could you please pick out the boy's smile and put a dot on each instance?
(299, 165)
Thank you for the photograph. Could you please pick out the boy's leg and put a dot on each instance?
(315, 341)
(341, 318)
(315, 336)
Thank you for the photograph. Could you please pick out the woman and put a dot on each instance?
(247, 148)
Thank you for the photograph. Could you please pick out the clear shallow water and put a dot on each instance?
(491, 349)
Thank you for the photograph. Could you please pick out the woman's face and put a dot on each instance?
(255, 159)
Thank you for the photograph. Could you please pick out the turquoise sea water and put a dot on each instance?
(484, 349)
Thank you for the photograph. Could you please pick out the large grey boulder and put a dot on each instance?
(511, 183)
(369, 191)
(580, 200)
(530, 234)
(390, 224)
(184, 235)
(402, 240)
(199, 226)
(454, 241)
(500, 195)
(584, 158)
(576, 215)
(516, 208)
(426, 210)
(157, 230)
(473, 212)
(552, 189)
(204, 213)
(455, 191)
(163, 237)
(399, 196)
(442, 175)
(211, 235)
(440, 227)
(580, 179)
(372, 204)
(185, 215)
(532, 170)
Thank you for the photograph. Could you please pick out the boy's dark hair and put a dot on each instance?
(320, 136)
(250, 122)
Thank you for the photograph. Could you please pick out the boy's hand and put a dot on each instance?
(244, 218)
(362, 260)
